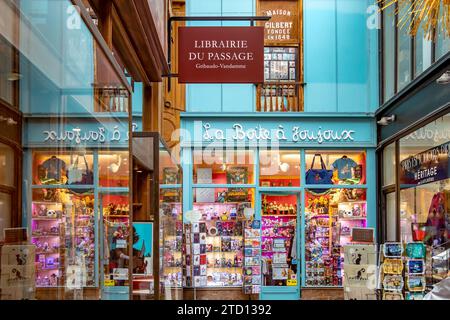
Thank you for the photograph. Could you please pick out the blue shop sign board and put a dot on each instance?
(286, 131)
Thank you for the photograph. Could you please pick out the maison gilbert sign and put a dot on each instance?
(221, 54)
(283, 25)
(238, 132)
(425, 167)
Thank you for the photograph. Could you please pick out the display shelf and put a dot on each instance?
(280, 215)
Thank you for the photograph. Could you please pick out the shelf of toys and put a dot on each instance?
(62, 225)
(278, 226)
(330, 215)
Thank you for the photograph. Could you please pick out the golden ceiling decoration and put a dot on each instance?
(430, 15)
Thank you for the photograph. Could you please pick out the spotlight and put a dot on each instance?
(444, 78)
(384, 121)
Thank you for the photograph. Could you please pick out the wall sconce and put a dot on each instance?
(9, 121)
(444, 78)
(384, 121)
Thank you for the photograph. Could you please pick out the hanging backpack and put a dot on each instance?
(74, 173)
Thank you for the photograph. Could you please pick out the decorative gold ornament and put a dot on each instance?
(433, 16)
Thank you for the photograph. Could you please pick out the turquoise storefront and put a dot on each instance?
(217, 149)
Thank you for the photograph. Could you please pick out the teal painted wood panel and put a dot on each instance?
(352, 56)
(320, 55)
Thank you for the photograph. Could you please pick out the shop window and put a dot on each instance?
(8, 75)
(422, 51)
(169, 172)
(115, 212)
(391, 216)
(113, 169)
(62, 229)
(279, 260)
(63, 168)
(403, 52)
(223, 167)
(330, 216)
(425, 184)
(280, 89)
(171, 233)
(443, 39)
(335, 167)
(388, 52)
(7, 166)
(5, 213)
(279, 168)
(389, 165)
(217, 256)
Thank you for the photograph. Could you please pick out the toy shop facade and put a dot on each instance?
(269, 202)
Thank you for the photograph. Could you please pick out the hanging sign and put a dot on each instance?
(426, 167)
(221, 54)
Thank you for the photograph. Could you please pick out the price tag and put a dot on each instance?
(291, 282)
(108, 283)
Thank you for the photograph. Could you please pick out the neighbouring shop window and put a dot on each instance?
(63, 168)
(113, 168)
(169, 171)
(7, 166)
(171, 241)
(425, 184)
(279, 261)
(389, 165)
(5, 212)
(8, 75)
(422, 50)
(403, 51)
(335, 167)
(330, 216)
(223, 167)
(216, 255)
(388, 52)
(63, 231)
(279, 168)
(443, 39)
(391, 216)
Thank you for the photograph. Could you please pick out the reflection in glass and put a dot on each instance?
(223, 167)
(279, 168)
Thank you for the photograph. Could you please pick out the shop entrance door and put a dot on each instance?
(280, 245)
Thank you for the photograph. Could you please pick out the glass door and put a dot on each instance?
(280, 245)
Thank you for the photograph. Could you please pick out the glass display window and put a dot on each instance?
(280, 64)
(169, 172)
(171, 239)
(279, 168)
(330, 216)
(425, 184)
(7, 165)
(113, 169)
(62, 229)
(63, 168)
(224, 167)
(5, 213)
(216, 252)
(335, 167)
(115, 258)
(279, 257)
